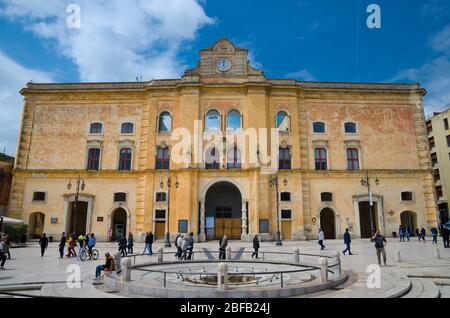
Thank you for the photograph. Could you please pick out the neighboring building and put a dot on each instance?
(439, 144)
(121, 139)
(6, 167)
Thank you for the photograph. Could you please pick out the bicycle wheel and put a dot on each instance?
(95, 254)
(83, 255)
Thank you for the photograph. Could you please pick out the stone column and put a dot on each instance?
(160, 255)
(126, 270)
(296, 255)
(323, 262)
(228, 253)
(222, 271)
(337, 262)
(244, 234)
(117, 259)
(202, 235)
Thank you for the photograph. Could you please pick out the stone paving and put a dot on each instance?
(419, 274)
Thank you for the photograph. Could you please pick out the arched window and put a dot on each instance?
(213, 120)
(96, 128)
(350, 128)
(320, 157)
(93, 162)
(127, 128)
(162, 158)
(284, 159)
(283, 121)
(318, 127)
(352, 159)
(125, 159)
(234, 120)
(212, 159)
(165, 122)
(234, 158)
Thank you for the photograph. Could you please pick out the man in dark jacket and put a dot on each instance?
(347, 242)
(62, 244)
(122, 245)
(380, 243)
(43, 242)
(190, 245)
(445, 236)
(255, 246)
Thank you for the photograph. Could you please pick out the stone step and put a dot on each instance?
(422, 288)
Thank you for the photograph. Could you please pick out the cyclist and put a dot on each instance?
(81, 242)
(91, 243)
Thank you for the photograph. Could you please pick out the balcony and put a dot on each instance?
(438, 183)
(436, 166)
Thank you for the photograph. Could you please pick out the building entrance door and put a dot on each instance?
(227, 225)
(160, 230)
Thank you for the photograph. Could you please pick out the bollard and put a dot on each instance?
(337, 262)
(437, 253)
(296, 255)
(126, 269)
(323, 262)
(222, 271)
(117, 259)
(397, 256)
(228, 253)
(160, 255)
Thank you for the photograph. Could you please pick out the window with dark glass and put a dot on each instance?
(326, 197)
(127, 128)
(162, 158)
(165, 122)
(285, 196)
(160, 214)
(446, 124)
(212, 159)
(286, 214)
(350, 128)
(182, 226)
(284, 159)
(213, 120)
(161, 197)
(233, 120)
(125, 159)
(96, 128)
(352, 159)
(120, 197)
(283, 121)
(320, 156)
(93, 159)
(448, 141)
(319, 127)
(407, 196)
(38, 196)
(234, 158)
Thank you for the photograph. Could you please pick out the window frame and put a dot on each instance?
(160, 210)
(286, 162)
(284, 218)
(169, 114)
(133, 125)
(33, 200)
(286, 193)
(288, 116)
(320, 160)
(121, 159)
(352, 123)
(352, 159)
(96, 133)
(207, 129)
(319, 132)
(164, 158)
(326, 193)
(120, 201)
(407, 192)
(156, 196)
(89, 160)
(240, 120)
(212, 165)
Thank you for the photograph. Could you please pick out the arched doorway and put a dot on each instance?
(119, 223)
(328, 223)
(223, 211)
(36, 224)
(368, 218)
(409, 218)
(78, 218)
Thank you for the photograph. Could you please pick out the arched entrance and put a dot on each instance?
(409, 218)
(223, 211)
(368, 218)
(78, 217)
(328, 223)
(119, 223)
(36, 224)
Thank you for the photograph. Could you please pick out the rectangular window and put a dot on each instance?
(286, 214)
(284, 161)
(162, 158)
(182, 226)
(38, 196)
(161, 197)
(264, 226)
(448, 141)
(326, 197)
(120, 197)
(160, 214)
(125, 159)
(93, 159)
(320, 156)
(285, 196)
(318, 128)
(407, 196)
(352, 159)
(446, 124)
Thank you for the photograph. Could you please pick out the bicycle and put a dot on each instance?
(93, 255)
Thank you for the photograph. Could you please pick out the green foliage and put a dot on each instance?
(15, 232)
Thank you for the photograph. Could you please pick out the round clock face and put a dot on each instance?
(224, 65)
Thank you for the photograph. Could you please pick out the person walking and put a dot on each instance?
(122, 241)
(178, 246)
(2, 252)
(255, 246)
(380, 244)
(347, 242)
(62, 244)
(43, 242)
(423, 234)
(190, 247)
(72, 242)
(8, 245)
(321, 239)
(408, 233)
(445, 236)
(148, 243)
(130, 243)
(434, 234)
(223, 243)
(184, 247)
(418, 234)
(401, 233)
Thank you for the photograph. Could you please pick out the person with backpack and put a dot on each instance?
(109, 266)
(190, 245)
(380, 244)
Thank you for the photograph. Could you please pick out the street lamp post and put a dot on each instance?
(80, 186)
(169, 184)
(274, 181)
(365, 182)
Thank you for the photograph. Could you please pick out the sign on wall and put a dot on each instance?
(54, 220)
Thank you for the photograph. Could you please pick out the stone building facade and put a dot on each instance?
(122, 140)
(6, 167)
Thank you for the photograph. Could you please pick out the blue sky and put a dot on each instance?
(324, 40)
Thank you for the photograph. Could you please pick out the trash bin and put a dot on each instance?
(50, 239)
(23, 239)
(394, 234)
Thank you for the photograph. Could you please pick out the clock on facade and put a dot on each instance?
(223, 65)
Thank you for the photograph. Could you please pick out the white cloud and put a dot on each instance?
(118, 39)
(441, 41)
(303, 75)
(13, 77)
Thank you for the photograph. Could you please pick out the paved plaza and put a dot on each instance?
(419, 274)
